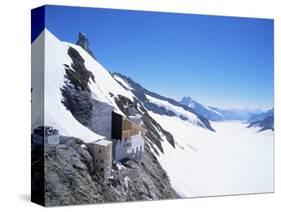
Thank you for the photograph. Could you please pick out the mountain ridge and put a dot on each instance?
(266, 123)
(142, 94)
(221, 114)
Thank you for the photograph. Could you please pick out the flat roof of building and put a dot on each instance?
(103, 142)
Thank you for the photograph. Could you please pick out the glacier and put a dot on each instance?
(233, 160)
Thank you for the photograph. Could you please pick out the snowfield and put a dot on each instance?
(232, 160)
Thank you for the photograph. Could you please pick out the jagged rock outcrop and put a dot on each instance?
(84, 43)
(71, 179)
(76, 92)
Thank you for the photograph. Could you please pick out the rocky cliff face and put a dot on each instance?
(71, 179)
(76, 93)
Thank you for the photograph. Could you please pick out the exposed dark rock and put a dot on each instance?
(71, 179)
(79, 103)
(76, 92)
(78, 74)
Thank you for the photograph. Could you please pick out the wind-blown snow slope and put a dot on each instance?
(179, 111)
(55, 113)
(232, 160)
(105, 83)
(160, 104)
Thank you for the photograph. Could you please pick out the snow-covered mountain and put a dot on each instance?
(67, 83)
(266, 123)
(162, 105)
(241, 114)
(261, 116)
(205, 111)
(49, 54)
(179, 138)
(222, 114)
(68, 66)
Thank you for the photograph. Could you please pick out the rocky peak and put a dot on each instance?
(84, 43)
(186, 100)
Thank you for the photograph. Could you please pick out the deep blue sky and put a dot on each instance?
(220, 61)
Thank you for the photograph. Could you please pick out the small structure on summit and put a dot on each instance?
(101, 152)
(45, 134)
(84, 43)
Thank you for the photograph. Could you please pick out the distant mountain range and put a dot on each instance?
(261, 116)
(221, 114)
(205, 111)
(264, 121)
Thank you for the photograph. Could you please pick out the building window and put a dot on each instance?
(99, 150)
(102, 161)
(101, 170)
